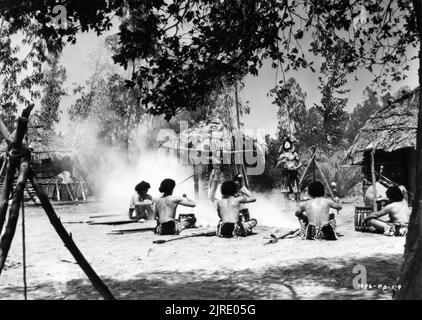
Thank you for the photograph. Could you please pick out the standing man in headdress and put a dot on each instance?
(290, 164)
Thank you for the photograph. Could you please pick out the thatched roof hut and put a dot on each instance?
(214, 142)
(391, 128)
(391, 133)
(211, 144)
(50, 156)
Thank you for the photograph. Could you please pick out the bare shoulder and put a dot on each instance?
(175, 199)
(306, 203)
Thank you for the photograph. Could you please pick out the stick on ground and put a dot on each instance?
(204, 234)
(275, 239)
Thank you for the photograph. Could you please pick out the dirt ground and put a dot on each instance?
(198, 268)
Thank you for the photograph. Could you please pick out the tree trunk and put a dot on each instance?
(411, 273)
(6, 239)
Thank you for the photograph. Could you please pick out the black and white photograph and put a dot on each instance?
(229, 151)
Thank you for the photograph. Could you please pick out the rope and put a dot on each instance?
(25, 287)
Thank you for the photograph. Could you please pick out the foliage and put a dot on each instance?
(290, 100)
(346, 177)
(188, 48)
(52, 93)
(332, 103)
(8, 114)
(112, 107)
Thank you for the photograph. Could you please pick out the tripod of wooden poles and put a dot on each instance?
(314, 165)
(19, 160)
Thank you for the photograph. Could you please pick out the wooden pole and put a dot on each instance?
(82, 190)
(6, 190)
(67, 239)
(307, 168)
(325, 180)
(6, 239)
(58, 191)
(196, 183)
(15, 144)
(70, 193)
(313, 165)
(236, 97)
(374, 182)
(25, 286)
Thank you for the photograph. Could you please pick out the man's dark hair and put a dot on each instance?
(394, 194)
(142, 186)
(316, 189)
(228, 188)
(167, 186)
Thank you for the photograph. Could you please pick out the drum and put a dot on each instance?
(360, 214)
(244, 215)
(184, 216)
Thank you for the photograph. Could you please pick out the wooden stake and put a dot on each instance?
(82, 191)
(25, 286)
(67, 239)
(307, 167)
(374, 182)
(6, 239)
(313, 165)
(6, 190)
(196, 182)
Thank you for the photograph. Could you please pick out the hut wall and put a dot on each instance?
(398, 166)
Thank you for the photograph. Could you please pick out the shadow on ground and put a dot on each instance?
(312, 279)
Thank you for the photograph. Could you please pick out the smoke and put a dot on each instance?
(113, 174)
(272, 210)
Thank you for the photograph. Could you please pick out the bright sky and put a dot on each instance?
(76, 60)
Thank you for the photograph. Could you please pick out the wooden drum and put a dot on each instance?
(184, 216)
(360, 214)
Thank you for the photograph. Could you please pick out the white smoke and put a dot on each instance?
(116, 175)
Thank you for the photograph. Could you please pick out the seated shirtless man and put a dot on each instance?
(141, 202)
(165, 210)
(314, 214)
(398, 211)
(230, 224)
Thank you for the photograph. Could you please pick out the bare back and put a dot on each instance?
(399, 212)
(228, 208)
(318, 210)
(165, 207)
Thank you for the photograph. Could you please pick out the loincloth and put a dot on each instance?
(239, 229)
(311, 232)
(169, 228)
(395, 229)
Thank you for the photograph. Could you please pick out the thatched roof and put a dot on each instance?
(44, 145)
(214, 137)
(391, 128)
